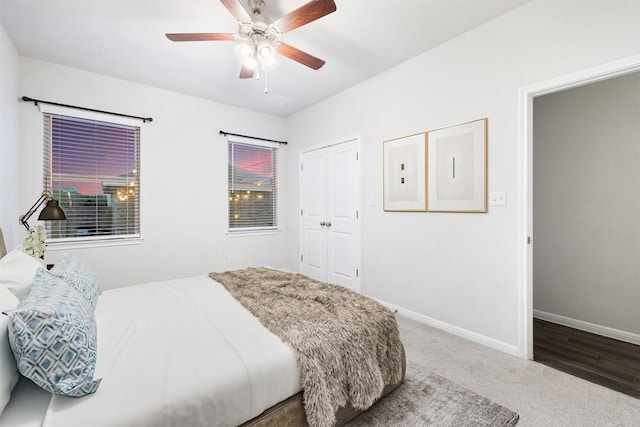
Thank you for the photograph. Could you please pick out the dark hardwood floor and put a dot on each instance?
(602, 360)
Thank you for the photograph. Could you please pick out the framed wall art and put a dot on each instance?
(457, 165)
(405, 186)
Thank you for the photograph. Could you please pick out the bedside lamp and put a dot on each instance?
(51, 212)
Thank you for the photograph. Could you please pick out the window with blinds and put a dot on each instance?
(93, 170)
(253, 186)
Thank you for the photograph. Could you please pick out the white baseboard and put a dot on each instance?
(606, 331)
(456, 330)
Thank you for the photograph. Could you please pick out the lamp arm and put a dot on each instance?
(45, 196)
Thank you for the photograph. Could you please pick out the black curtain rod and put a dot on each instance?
(251, 137)
(36, 101)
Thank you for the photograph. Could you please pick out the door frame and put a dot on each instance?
(525, 179)
(357, 186)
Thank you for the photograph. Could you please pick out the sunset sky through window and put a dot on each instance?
(85, 154)
(258, 159)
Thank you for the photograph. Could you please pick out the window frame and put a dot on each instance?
(258, 230)
(96, 240)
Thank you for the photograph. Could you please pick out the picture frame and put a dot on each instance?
(404, 173)
(457, 168)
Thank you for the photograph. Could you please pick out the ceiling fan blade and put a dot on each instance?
(309, 12)
(299, 56)
(246, 72)
(236, 9)
(200, 37)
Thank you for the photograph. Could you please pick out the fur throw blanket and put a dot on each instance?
(348, 345)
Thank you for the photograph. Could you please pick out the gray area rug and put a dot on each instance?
(428, 399)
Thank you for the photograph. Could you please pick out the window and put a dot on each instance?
(92, 168)
(253, 187)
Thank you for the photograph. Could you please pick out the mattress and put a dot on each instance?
(177, 352)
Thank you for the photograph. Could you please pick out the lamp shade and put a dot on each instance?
(52, 211)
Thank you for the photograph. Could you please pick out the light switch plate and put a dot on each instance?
(497, 198)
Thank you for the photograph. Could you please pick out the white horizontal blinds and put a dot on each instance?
(253, 185)
(93, 168)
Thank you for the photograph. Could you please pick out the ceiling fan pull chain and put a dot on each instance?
(266, 81)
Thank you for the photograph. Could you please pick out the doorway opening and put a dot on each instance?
(586, 205)
(547, 328)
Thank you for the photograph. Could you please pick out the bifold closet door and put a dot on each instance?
(330, 203)
(313, 211)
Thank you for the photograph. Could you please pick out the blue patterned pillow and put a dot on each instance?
(74, 271)
(53, 337)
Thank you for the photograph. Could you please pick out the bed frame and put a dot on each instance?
(289, 412)
(3, 247)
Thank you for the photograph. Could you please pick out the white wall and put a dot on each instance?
(183, 174)
(457, 269)
(9, 211)
(460, 270)
(586, 207)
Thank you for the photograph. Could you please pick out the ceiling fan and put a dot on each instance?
(259, 34)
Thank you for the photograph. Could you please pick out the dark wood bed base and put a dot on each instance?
(3, 248)
(290, 412)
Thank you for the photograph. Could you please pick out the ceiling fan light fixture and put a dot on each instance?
(245, 50)
(266, 51)
(251, 63)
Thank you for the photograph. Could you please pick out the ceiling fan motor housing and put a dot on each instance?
(261, 26)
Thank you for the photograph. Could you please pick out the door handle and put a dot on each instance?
(322, 224)
(328, 224)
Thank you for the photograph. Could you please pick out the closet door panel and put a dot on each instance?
(342, 200)
(313, 204)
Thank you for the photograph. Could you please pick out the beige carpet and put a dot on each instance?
(542, 396)
(428, 399)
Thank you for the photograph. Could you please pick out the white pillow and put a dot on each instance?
(17, 270)
(8, 367)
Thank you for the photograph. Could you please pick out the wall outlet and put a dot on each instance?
(230, 259)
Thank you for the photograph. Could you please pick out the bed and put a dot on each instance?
(196, 352)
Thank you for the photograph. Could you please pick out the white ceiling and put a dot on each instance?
(126, 39)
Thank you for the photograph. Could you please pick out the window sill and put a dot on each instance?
(252, 233)
(63, 246)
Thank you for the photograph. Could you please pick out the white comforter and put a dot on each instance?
(178, 353)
